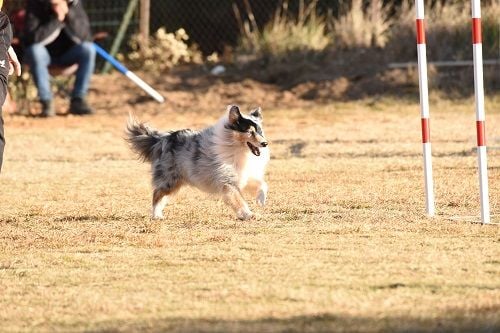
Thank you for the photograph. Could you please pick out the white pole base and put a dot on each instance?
(483, 184)
(429, 183)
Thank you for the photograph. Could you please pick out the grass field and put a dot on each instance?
(343, 244)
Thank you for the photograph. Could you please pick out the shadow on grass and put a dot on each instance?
(315, 323)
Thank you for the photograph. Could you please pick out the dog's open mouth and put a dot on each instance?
(253, 149)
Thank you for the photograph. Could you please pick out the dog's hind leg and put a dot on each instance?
(233, 197)
(160, 200)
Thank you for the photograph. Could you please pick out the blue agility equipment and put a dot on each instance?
(134, 78)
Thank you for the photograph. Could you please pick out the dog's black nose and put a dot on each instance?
(263, 144)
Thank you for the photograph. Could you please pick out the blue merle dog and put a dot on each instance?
(223, 159)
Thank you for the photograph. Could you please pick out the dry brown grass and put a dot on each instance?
(343, 244)
(284, 34)
(363, 27)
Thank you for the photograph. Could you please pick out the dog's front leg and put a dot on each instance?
(261, 193)
(233, 197)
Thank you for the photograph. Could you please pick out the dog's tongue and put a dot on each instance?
(253, 149)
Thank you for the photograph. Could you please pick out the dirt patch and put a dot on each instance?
(295, 82)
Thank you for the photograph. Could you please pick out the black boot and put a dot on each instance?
(80, 107)
(47, 109)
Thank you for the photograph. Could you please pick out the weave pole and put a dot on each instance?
(477, 49)
(424, 107)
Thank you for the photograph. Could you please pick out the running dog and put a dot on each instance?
(222, 159)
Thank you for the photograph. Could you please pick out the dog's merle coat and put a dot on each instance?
(223, 158)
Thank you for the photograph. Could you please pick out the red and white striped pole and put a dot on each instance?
(424, 107)
(480, 116)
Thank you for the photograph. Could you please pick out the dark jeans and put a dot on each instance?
(38, 58)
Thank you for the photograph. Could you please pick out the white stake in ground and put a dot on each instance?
(480, 116)
(424, 108)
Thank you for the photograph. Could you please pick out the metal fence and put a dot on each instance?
(211, 24)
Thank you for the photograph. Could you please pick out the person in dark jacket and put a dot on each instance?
(57, 32)
(8, 65)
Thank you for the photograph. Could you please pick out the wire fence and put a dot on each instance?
(211, 24)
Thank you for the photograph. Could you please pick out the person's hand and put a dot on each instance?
(60, 8)
(15, 65)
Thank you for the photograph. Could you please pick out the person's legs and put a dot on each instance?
(5, 39)
(84, 55)
(2, 140)
(3, 95)
(4, 73)
(38, 59)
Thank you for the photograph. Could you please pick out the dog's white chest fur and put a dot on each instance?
(247, 166)
(251, 168)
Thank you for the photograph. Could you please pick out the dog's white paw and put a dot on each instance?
(261, 198)
(244, 214)
(158, 217)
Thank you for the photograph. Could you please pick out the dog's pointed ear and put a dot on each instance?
(257, 113)
(234, 113)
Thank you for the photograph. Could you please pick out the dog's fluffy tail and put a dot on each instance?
(142, 138)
